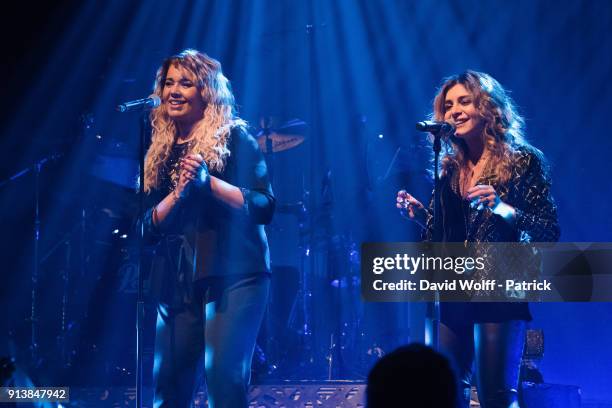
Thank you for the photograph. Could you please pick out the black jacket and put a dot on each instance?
(208, 238)
(528, 191)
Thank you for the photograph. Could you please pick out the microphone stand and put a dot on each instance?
(433, 308)
(141, 105)
(269, 154)
(140, 304)
(33, 319)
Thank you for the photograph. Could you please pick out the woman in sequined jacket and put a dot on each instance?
(494, 187)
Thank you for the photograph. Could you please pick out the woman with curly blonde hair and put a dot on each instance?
(494, 187)
(209, 196)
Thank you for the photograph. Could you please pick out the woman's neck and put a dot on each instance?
(183, 132)
(475, 150)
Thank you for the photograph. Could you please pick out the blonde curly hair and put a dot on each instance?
(210, 134)
(503, 126)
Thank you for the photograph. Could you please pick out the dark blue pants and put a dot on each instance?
(215, 329)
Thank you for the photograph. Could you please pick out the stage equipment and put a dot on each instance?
(142, 106)
(534, 344)
(36, 168)
(289, 395)
(299, 319)
(438, 130)
(532, 354)
(326, 312)
(139, 105)
(287, 136)
(430, 126)
(344, 394)
(309, 394)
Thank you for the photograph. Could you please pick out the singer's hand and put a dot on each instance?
(411, 208)
(184, 182)
(485, 196)
(196, 169)
(482, 196)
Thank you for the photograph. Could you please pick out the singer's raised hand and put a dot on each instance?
(195, 168)
(411, 208)
(185, 180)
(484, 196)
(481, 196)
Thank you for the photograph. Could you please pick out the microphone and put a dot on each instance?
(151, 102)
(435, 127)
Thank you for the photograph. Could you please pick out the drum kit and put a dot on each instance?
(310, 342)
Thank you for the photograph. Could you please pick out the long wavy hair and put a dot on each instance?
(503, 130)
(210, 134)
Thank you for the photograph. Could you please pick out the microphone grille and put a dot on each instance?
(156, 100)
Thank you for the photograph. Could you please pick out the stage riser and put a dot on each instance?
(311, 395)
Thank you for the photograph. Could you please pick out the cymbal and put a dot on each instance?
(285, 137)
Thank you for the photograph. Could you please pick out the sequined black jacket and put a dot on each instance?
(527, 190)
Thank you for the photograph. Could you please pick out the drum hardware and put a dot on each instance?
(287, 136)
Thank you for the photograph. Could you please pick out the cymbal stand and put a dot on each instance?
(299, 316)
(269, 154)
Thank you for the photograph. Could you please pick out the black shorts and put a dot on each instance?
(457, 315)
